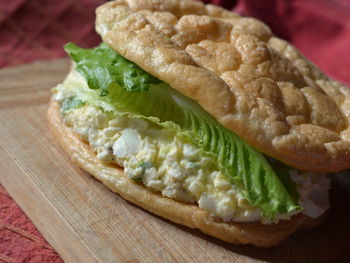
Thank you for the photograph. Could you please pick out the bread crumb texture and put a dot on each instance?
(253, 83)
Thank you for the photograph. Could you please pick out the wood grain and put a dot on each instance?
(86, 222)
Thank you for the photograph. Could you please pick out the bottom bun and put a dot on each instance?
(186, 214)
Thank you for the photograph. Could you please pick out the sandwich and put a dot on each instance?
(205, 118)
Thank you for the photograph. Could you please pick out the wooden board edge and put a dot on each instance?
(73, 248)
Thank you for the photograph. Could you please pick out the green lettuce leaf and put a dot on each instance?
(125, 87)
(103, 66)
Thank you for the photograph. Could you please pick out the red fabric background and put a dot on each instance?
(36, 30)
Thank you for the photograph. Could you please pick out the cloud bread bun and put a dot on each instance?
(252, 82)
(186, 214)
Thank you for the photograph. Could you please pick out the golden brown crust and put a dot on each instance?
(255, 84)
(189, 215)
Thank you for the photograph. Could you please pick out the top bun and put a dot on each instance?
(252, 82)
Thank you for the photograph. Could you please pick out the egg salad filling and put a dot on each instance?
(173, 146)
(171, 164)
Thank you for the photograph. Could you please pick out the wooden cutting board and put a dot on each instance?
(86, 222)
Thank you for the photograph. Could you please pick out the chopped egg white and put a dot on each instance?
(128, 143)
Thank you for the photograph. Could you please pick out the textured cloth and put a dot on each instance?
(20, 241)
(36, 30)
